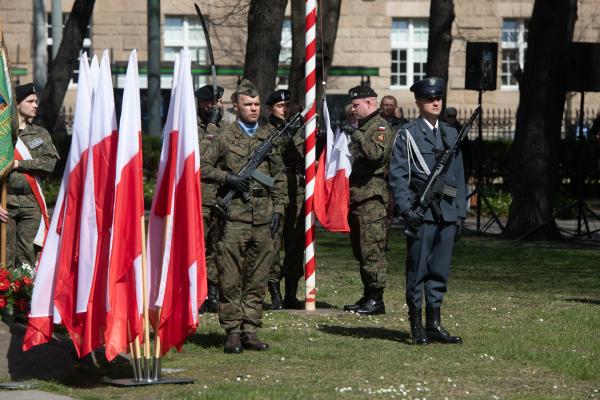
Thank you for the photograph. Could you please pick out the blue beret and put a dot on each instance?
(206, 92)
(22, 91)
(361, 92)
(277, 96)
(428, 87)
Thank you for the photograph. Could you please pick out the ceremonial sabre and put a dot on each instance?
(213, 69)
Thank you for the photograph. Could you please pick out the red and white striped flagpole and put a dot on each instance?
(310, 47)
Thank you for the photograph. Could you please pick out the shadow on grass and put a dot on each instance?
(584, 301)
(207, 340)
(367, 332)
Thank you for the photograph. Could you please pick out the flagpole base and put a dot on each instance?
(161, 381)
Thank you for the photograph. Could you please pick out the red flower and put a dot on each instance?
(2, 302)
(27, 281)
(22, 305)
(16, 285)
(3, 273)
(4, 285)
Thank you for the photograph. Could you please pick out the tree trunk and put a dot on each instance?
(327, 17)
(61, 68)
(542, 90)
(441, 17)
(265, 22)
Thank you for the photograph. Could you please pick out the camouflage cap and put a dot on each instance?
(246, 88)
(22, 91)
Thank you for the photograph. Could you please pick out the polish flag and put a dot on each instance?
(125, 266)
(332, 187)
(175, 233)
(81, 290)
(64, 226)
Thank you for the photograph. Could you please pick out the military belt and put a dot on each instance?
(19, 190)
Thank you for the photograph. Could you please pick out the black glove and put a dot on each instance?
(295, 126)
(236, 182)
(214, 116)
(460, 228)
(412, 219)
(348, 128)
(275, 221)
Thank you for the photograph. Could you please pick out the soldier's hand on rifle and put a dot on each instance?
(214, 115)
(275, 222)
(348, 128)
(460, 228)
(412, 219)
(236, 182)
(296, 126)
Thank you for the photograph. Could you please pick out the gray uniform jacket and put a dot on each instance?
(404, 193)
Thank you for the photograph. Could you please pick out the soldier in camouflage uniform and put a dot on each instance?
(370, 146)
(291, 235)
(210, 113)
(245, 252)
(23, 209)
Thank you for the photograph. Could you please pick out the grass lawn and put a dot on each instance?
(529, 315)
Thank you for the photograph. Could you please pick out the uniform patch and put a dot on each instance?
(35, 143)
(380, 138)
(381, 128)
(211, 137)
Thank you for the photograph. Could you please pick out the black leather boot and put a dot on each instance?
(416, 325)
(374, 304)
(211, 304)
(290, 301)
(435, 331)
(359, 303)
(233, 344)
(251, 341)
(276, 302)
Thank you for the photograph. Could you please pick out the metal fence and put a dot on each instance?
(497, 123)
(500, 123)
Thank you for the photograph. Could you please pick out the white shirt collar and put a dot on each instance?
(437, 123)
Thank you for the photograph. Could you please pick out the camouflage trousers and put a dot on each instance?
(211, 236)
(244, 256)
(22, 226)
(367, 222)
(290, 237)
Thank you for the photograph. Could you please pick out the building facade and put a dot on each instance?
(383, 42)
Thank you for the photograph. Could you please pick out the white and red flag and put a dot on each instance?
(125, 266)
(81, 289)
(175, 233)
(332, 187)
(64, 226)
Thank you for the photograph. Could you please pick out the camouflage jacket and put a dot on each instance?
(292, 153)
(228, 153)
(370, 146)
(207, 133)
(44, 157)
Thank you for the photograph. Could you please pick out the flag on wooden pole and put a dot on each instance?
(175, 238)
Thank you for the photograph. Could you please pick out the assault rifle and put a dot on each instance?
(432, 190)
(250, 169)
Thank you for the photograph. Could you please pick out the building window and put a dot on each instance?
(514, 45)
(87, 41)
(285, 54)
(184, 32)
(409, 51)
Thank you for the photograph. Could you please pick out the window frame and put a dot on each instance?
(409, 45)
(188, 43)
(520, 45)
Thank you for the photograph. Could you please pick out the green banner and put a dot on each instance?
(6, 108)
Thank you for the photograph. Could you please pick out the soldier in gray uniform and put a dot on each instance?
(290, 236)
(429, 256)
(245, 251)
(23, 209)
(210, 113)
(370, 147)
